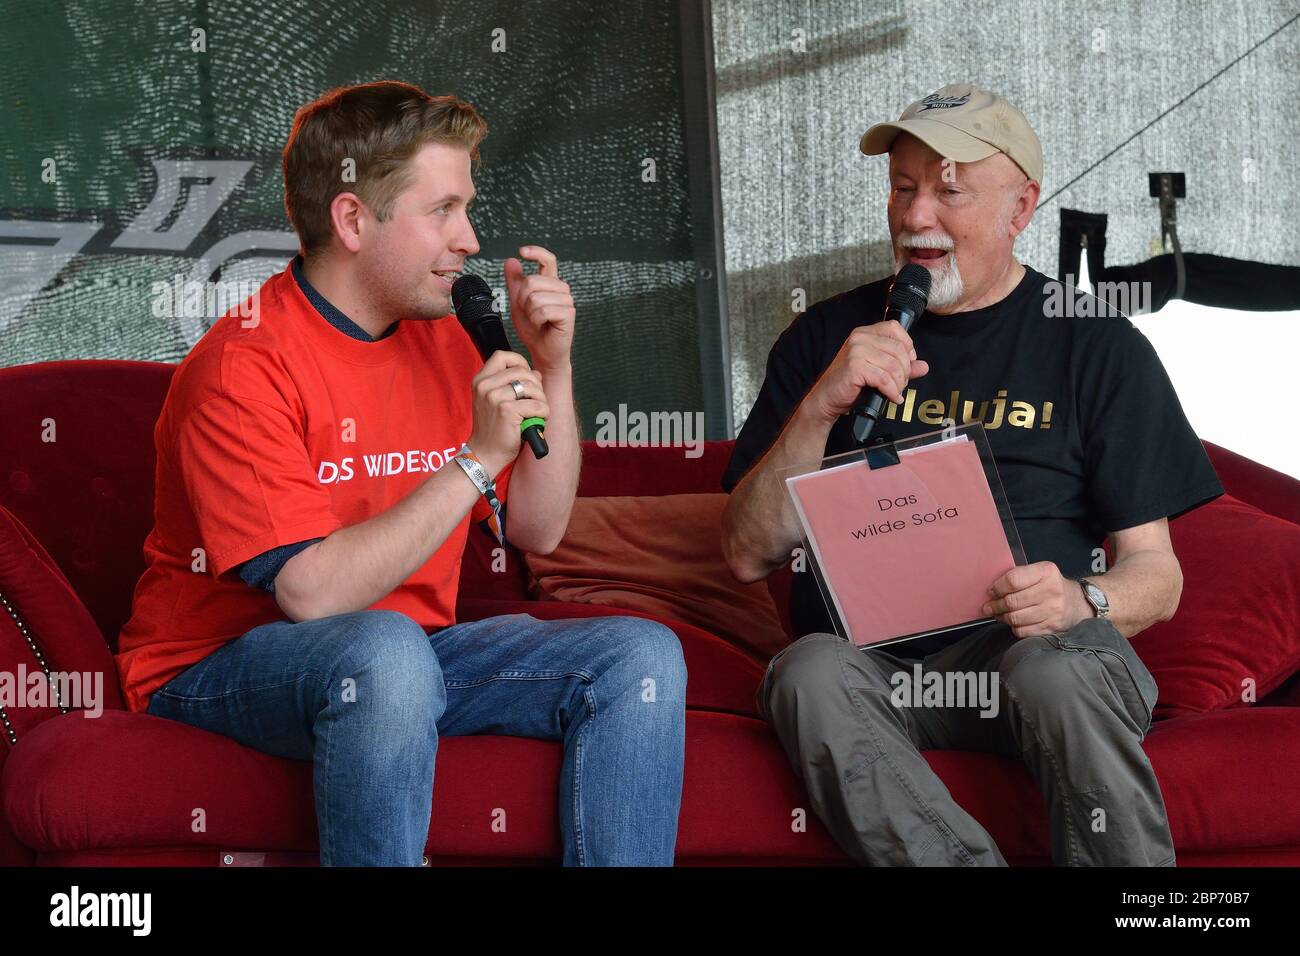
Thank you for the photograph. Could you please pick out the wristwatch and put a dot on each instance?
(1096, 597)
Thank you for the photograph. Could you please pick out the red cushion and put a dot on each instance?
(131, 779)
(60, 627)
(1239, 616)
(64, 791)
(1231, 778)
(1214, 771)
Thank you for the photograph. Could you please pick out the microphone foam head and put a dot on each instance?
(471, 297)
(911, 289)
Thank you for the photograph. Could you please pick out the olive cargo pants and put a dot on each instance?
(1074, 707)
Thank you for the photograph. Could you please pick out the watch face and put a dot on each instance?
(1095, 595)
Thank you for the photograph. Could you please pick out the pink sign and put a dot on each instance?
(909, 548)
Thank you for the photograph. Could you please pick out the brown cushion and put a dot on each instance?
(660, 555)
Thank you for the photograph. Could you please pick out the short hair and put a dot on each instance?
(379, 126)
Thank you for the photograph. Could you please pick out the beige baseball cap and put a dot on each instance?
(967, 124)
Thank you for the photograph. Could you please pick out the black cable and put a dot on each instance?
(1169, 110)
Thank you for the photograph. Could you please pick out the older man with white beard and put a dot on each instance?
(1090, 441)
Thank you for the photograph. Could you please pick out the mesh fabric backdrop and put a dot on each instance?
(165, 163)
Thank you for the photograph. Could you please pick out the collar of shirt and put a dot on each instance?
(329, 312)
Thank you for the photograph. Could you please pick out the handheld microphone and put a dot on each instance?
(472, 299)
(907, 298)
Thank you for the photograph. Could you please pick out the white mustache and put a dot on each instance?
(910, 240)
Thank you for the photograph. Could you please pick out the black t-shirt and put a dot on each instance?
(1087, 432)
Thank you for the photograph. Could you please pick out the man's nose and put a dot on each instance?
(467, 242)
(921, 213)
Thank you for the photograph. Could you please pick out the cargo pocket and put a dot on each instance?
(1137, 687)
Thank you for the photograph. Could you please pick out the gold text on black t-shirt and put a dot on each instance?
(933, 411)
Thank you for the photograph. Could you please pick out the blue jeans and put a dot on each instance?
(365, 696)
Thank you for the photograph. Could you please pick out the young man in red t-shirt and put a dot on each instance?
(320, 463)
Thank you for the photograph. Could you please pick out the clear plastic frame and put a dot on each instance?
(905, 537)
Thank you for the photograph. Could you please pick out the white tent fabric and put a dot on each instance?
(799, 82)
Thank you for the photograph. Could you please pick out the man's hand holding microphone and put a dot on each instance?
(506, 393)
(509, 395)
(879, 356)
(875, 363)
(515, 403)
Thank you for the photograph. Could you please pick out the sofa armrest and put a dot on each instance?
(1256, 484)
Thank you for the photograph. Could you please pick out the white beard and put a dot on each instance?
(946, 287)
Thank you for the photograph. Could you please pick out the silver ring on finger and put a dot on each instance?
(518, 386)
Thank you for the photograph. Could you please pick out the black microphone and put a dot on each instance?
(907, 298)
(472, 300)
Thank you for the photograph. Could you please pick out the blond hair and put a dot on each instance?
(378, 127)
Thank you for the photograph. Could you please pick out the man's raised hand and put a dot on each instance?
(541, 308)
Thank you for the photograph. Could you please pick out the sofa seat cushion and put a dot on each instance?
(1230, 778)
(64, 791)
(1216, 771)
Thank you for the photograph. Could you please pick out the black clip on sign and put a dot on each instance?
(880, 451)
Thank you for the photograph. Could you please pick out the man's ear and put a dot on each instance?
(346, 212)
(1026, 203)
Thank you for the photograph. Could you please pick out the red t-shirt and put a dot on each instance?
(282, 431)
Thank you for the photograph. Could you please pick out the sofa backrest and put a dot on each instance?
(76, 447)
(77, 453)
(1270, 491)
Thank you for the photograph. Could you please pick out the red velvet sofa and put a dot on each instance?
(123, 788)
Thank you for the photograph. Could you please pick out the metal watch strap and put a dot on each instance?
(1101, 611)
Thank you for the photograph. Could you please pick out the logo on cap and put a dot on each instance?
(936, 102)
